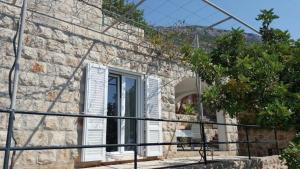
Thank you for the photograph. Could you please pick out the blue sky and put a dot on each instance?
(196, 12)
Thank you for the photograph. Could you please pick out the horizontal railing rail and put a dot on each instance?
(128, 145)
(121, 117)
(203, 141)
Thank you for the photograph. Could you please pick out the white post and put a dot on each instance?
(222, 132)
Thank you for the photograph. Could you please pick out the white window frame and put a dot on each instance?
(140, 107)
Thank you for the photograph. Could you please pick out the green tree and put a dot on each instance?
(121, 8)
(164, 43)
(291, 155)
(257, 82)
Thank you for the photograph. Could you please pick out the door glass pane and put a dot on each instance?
(130, 111)
(112, 110)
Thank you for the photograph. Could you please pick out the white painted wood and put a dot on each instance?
(222, 136)
(153, 110)
(94, 129)
(184, 133)
(195, 129)
(122, 122)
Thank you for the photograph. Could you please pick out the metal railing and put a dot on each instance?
(8, 148)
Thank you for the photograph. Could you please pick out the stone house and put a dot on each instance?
(69, 65)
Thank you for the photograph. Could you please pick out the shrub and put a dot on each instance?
(291, 155)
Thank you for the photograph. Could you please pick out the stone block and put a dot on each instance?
(6, 61)
(56, 138)
(46, 157)
(63, 155)
(38, 67)
(3, 137)
(58, 107)
(68, 48)
(34, 41)
(58, 58)
(44, 56)
(6, 22)
(75, 40)
(29, 79)
(68, 124)
(59, 82)
(32, 122)
(28, 157)
(46, 81)
(44, 32)
(71, 138)
(67, 96)
(60, 36)
(80, 52)
(39, 138)
(72, 61)
(3, 120)
(73, 107)
(24, 104)
(6, 34)
(55, 46)
(64, 71)
(40, 105)
(51, 123)
(52, 95)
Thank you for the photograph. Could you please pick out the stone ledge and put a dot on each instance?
(225, 162)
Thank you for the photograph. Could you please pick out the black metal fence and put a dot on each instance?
(204, 144)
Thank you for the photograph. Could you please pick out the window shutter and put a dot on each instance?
(94, 129)
(153, 110)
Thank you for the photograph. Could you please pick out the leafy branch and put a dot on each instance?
(257, 82)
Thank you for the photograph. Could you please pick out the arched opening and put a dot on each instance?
(186, 98)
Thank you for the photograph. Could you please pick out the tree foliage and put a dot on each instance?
(291, 155)
(120, 7)
(163, 43)
(257, 82)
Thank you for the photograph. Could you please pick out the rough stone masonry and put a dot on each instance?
(52, 75)
(61, 37)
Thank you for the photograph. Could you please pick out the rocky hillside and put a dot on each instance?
(206, 36)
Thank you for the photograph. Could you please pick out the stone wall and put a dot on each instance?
(211, 130)
(255, 134)
(227, 133)
(52, 74)
(270, 162)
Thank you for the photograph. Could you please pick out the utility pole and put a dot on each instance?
(15, 85)
(199, 84)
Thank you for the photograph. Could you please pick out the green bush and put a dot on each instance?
(189, 109)
(291, 155)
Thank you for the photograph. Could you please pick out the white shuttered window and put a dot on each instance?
(94, 129)
(96, 103)
(153, 110)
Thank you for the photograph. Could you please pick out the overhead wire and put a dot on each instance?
(90, 29)
(173, 11)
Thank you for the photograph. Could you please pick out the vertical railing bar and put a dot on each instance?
(276, 141)
(204, 142)
(136, 142)
(16, 69)
(248, 144)
(8, 139)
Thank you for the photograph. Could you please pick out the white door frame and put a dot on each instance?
(121, 109)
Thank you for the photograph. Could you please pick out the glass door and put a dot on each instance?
(122, 101)
(130, 111)
(113, 107)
